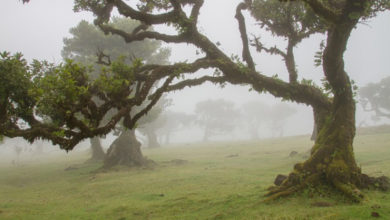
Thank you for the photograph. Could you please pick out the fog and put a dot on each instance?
(38, 28)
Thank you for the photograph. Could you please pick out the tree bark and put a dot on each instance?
(97, 150)
(332, 160)
(320, 116)
(314, 132)
(125, 151)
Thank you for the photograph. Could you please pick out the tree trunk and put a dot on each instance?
(152, 139)
(332, 160)
(126, 151)
(320, 116)
(97, 150)
(314, 133)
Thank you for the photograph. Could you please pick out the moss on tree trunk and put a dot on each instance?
(125, 151)
(332, 161)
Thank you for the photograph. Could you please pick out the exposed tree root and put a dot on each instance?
(290, 186)
(350, 190)
(279, 192)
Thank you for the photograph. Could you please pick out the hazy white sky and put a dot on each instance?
(37, 29)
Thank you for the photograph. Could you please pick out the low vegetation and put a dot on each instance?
(189, 181)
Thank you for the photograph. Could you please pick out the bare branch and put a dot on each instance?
(139, 36)
(260, 47)
(195, 82)
(149, 19)
(195, 10)
(246, 55)
(290, 62)
(154, 99)
(296, 92)
(141, 27)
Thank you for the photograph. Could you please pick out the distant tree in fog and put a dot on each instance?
(278, 115)
(216, 117)
(87, 42)
(376, 97)
(255, 114)
(152, 122)
(172, 122)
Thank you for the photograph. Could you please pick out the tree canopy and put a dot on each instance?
(59, 103)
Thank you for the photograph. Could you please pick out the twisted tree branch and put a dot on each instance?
(246, 55)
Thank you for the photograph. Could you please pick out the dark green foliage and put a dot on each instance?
(16, 87)
(60, 103)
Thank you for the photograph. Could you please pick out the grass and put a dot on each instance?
(214, 181)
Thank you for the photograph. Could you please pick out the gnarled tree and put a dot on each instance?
(171, 122)
(61, 104)
(332, 160)
(88, 42)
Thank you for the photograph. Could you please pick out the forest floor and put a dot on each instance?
(218, 180)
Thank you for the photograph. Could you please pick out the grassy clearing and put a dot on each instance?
(196, 181)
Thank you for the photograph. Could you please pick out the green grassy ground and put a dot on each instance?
(213, 181)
